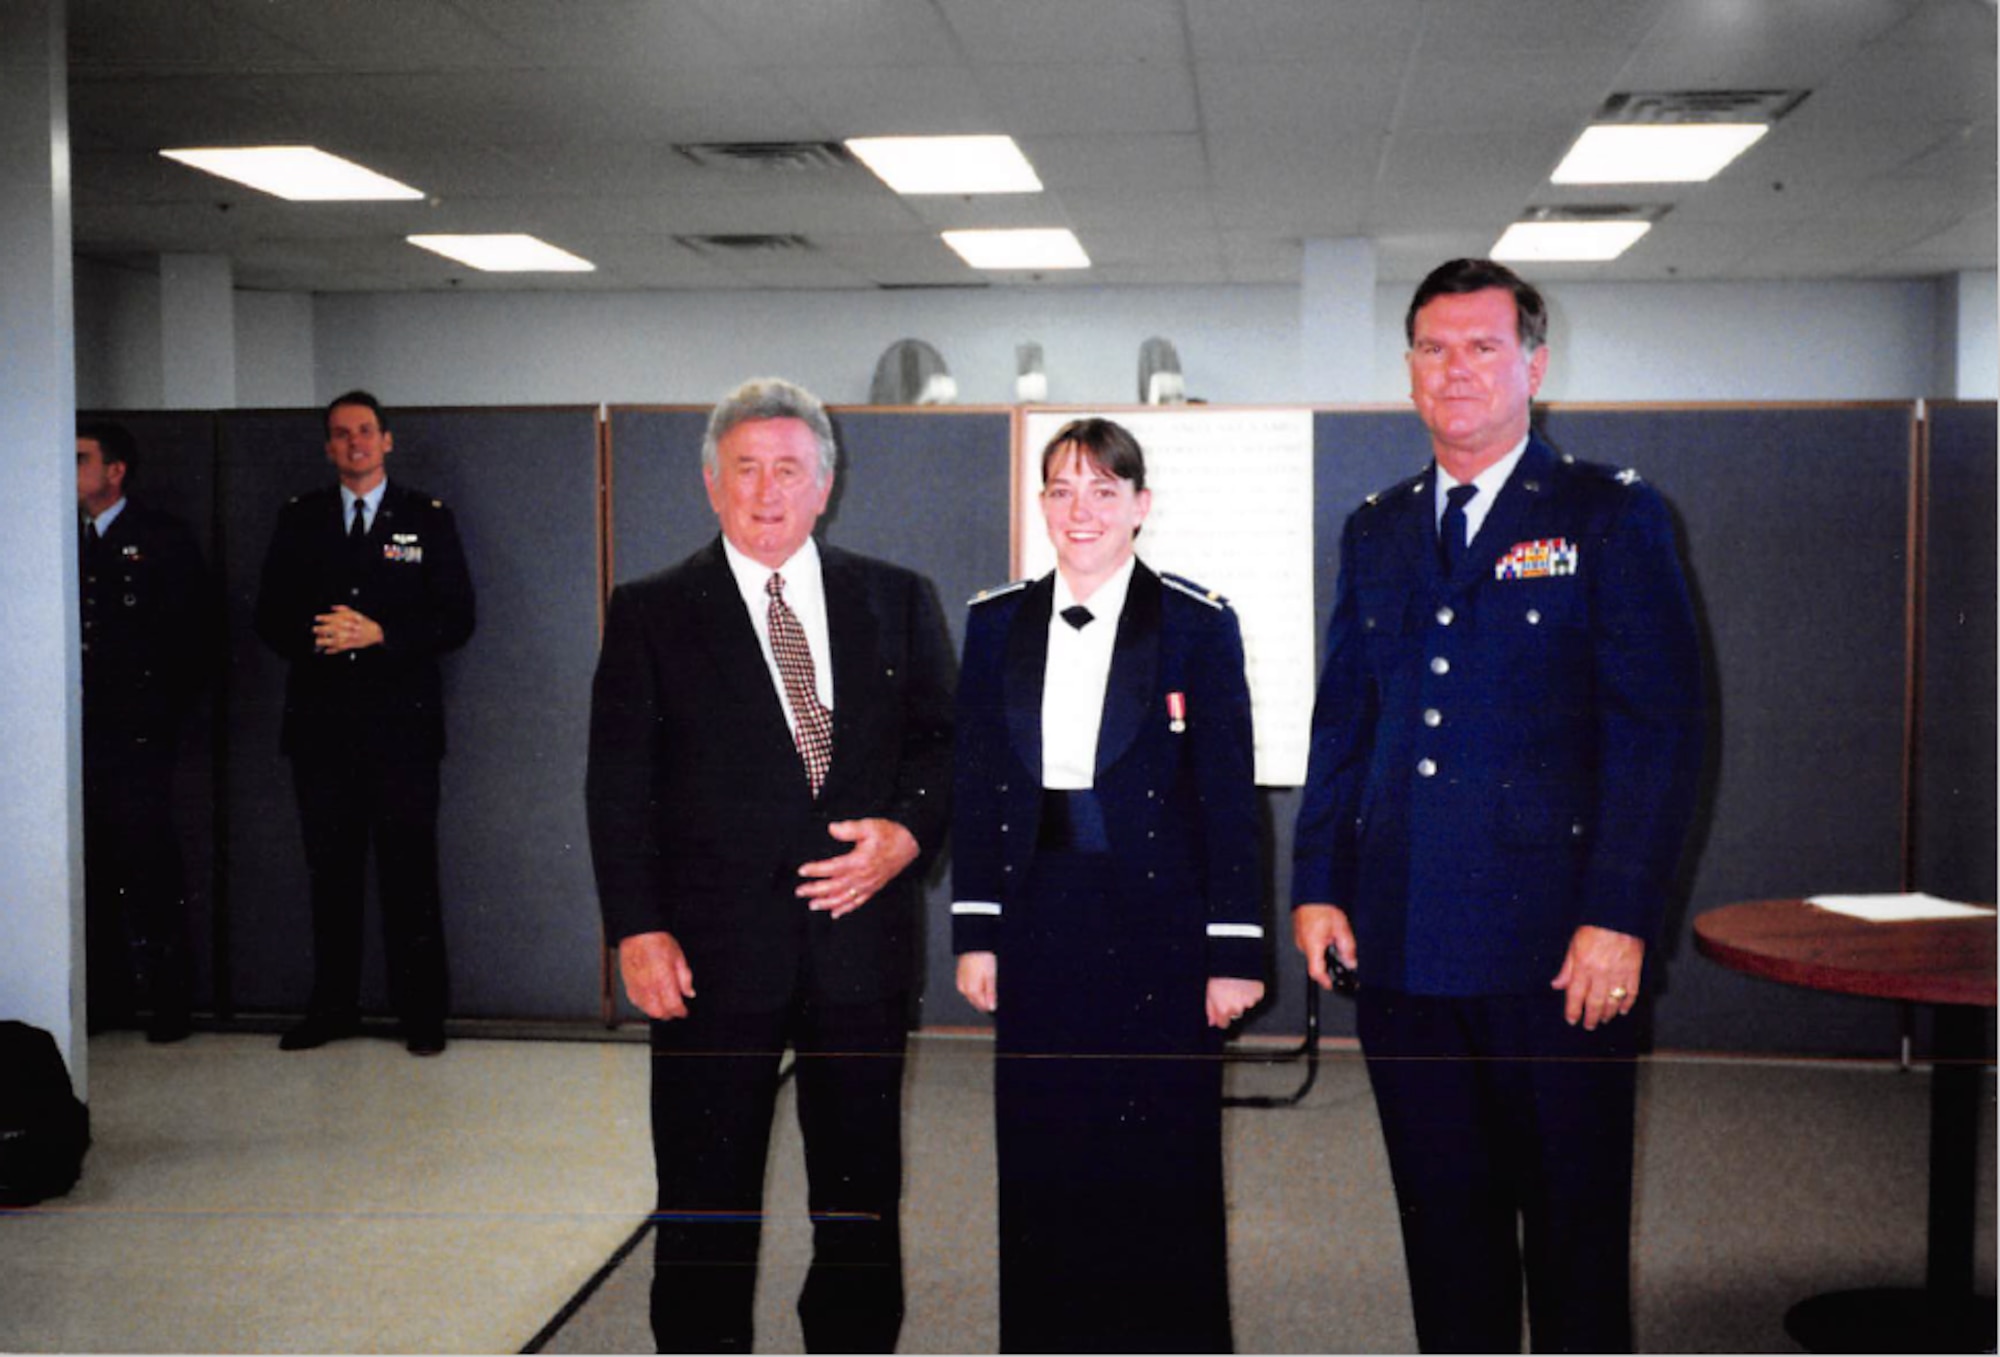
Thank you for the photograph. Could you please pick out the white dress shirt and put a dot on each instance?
(1489, 482)
(373, 499)
(1074, 679)
(805, 595)
(109, 516)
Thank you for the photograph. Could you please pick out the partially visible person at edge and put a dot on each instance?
(150, 644)
(1505, 748)
(1107, 911)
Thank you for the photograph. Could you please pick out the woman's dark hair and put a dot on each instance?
(1107, 446)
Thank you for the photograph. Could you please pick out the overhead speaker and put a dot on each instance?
(1031, 381)
(911, 372)
(1160, 381)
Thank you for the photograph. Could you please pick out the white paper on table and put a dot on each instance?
(1882, 909)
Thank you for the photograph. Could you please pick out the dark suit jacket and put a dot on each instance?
(149, 626)
(700, 812)
(1179, 805)
(1503, 756)
(411, 578)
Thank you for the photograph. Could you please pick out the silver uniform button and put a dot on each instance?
(1534, 617)
(1427, 768)
(1445, 616)
(1433, 717)
(1440, 665)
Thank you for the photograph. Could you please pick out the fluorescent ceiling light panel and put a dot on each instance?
(298, 173)
(1588, 242)
(504, 253)
(1019, 249)
(1655, 153)
(947, 164)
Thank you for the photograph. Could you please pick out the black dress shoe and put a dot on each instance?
(426, 1041)
(165, 1028)
(316, 1031)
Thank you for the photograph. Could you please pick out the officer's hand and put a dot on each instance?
(344, 629)
(1229, 998)
(1600, 973)
(1318, 927)
(657, 974)
(979, 980)
(882, 849)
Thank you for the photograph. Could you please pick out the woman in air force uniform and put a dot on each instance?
(1107, 911)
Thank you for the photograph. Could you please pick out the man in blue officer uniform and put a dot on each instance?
(364, 587)
(1505, 747)
(149, 643)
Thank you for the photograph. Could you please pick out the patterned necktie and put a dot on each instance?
(814, 733)
(1451, 529)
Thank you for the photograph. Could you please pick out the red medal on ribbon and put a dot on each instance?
(1177, 712)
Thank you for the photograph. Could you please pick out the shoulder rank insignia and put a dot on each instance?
(997, 591)
(1193, 590)
(1629, 476)
(437, 504)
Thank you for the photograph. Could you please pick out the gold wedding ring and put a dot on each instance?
(1618, 991)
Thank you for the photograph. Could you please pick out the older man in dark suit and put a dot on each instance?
(770, 753)
(1504, 753)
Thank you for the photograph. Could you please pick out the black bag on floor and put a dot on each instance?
(44, 1130)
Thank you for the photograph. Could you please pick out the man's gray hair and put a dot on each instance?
(770, 398)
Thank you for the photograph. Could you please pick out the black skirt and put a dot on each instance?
(1108, 1109)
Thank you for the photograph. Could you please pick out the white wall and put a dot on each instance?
(274, 350)
(1873, 340)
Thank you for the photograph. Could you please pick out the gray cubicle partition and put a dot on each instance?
(1955, 806)
(520, 914)
(1796, 525)
(925, 488)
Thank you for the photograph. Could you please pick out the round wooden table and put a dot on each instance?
(1945, 962)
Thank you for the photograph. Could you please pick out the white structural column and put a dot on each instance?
(1969, 356)
(1337, 321)
(41, 871)
(197, 332)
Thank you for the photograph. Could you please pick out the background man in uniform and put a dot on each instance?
(148, 644)
(770, 753)
(364, 587)
(1504, 754)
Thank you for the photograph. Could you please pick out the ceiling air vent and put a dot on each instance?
(1700, 106)
(752, 157)
(746, 244)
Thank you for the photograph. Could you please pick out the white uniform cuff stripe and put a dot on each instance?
(975, 907)
(1236, 930)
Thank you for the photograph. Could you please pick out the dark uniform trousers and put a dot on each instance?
(148, 639)
(365, 732)
(348, 799)
(1495, 1111)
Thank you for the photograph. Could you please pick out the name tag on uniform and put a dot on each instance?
(403, 546)
(1537, 560)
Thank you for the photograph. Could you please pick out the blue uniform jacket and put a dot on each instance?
(1503, 756)
(410, 578)
(1179, 804)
